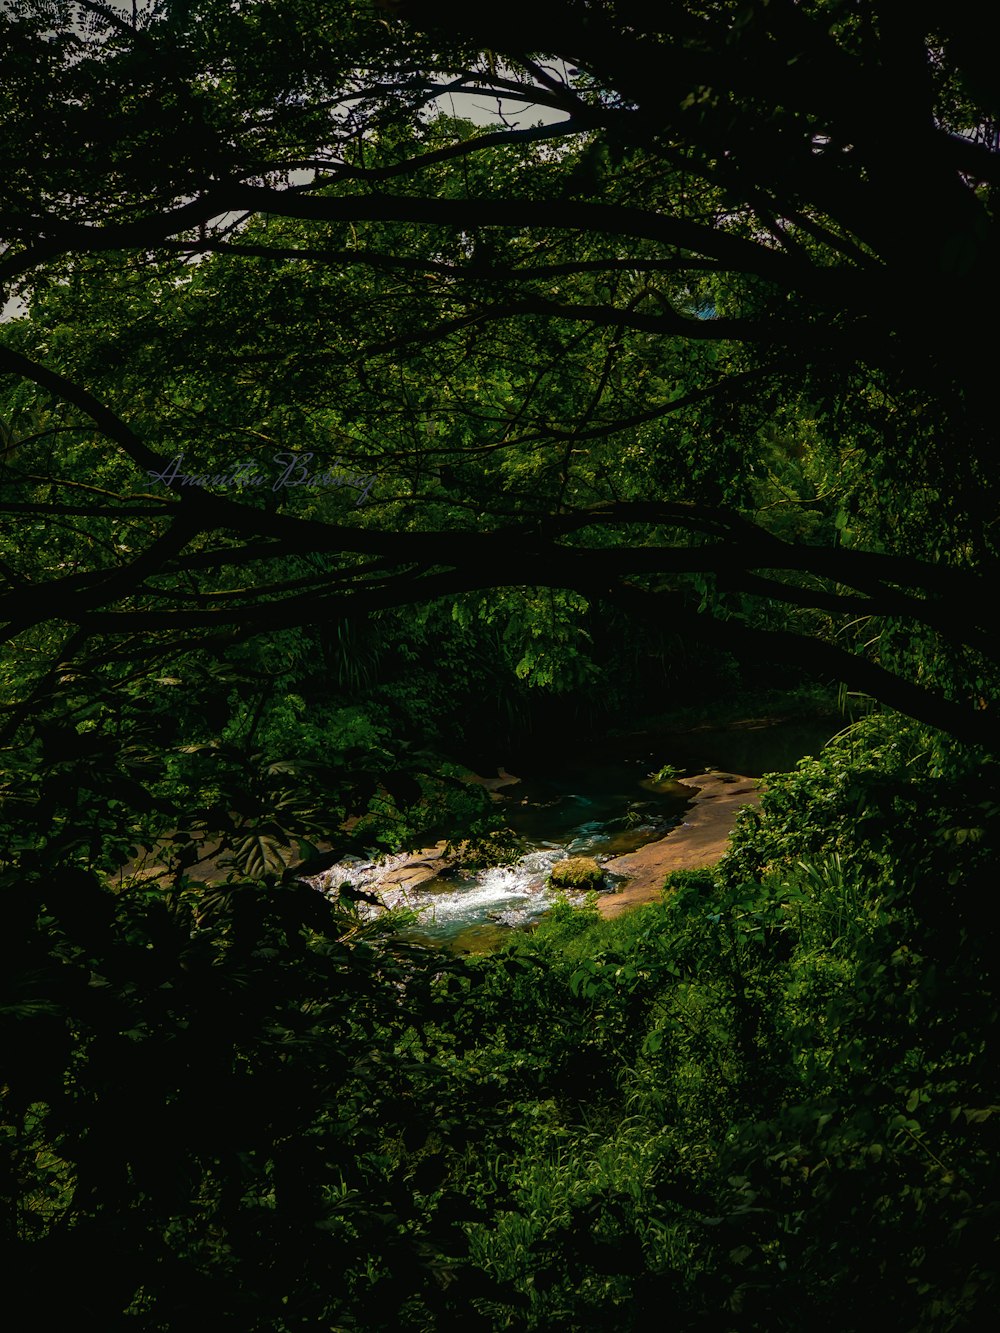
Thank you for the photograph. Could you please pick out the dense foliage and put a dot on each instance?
(688, 351)
(345, 441)
(772, 1093)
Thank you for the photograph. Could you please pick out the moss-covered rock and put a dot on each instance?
(579, 872)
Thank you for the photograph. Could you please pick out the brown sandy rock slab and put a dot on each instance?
(700, 841)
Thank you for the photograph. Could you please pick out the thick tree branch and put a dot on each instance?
(107, 422)
(670, 324)
(980, 728)
(701, 241)
(469, 271)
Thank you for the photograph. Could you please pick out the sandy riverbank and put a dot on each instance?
(700, 841)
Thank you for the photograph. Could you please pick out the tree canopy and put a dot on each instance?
(696, 345)
(374, 380)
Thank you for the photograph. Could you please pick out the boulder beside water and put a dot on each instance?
(577, 872)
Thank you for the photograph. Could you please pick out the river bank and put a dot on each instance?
(700, 841)
(611, 800)
(607, 799)
(474, 911)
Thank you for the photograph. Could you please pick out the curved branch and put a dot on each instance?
(789, 273)
(107, 422)
(470, 272)
(671, 324)
(976, 727)
(464, 148)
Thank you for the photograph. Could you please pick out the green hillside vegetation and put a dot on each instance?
(772, 1092)
(353, 437)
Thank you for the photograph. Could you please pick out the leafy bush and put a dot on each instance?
(769, 1093)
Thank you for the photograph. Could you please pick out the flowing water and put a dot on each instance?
(598, 810)
(583, 806)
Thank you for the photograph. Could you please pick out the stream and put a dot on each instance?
(580, 805)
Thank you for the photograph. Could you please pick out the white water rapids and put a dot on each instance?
(594, 805)
(506, 895)
(611, 807)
